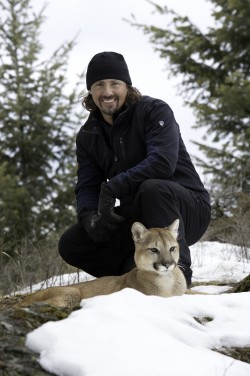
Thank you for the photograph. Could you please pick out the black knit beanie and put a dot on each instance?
(107, 65)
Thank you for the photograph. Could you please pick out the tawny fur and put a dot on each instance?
(156, 271)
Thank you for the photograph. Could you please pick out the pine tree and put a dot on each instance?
(38, 122)
(215, 71)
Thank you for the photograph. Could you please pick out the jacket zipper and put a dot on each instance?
(119, 151)
(122, 148)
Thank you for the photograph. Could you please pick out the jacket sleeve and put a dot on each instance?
(89, 179)
(162, 145)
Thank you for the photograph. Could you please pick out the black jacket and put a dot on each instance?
(144, 143)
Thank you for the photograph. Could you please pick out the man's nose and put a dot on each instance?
(107, 90)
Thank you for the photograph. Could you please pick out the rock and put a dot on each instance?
(15, 323)
(239, 353)
(242, 286)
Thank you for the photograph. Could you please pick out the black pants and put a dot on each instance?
(157, 204)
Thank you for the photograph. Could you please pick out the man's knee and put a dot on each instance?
(69, 242)
(153, 188)
(156, 203)
(63, 246)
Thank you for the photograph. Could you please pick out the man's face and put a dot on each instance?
(109, 96)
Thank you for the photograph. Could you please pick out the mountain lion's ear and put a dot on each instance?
(138, 231)
(173, 228)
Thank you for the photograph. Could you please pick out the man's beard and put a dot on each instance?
(109, 109)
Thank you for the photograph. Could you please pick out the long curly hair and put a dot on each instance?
(133, 96)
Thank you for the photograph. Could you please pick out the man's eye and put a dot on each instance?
(154, 250)
(98, 84)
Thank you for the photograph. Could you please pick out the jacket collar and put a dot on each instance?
(95, 119)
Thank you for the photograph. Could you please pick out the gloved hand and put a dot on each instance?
(101, 225)
(96, 226)
(106, 206)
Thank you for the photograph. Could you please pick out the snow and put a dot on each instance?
(219, 261)
(59, 280)
(128, 333)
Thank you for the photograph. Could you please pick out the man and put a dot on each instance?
(129, 149)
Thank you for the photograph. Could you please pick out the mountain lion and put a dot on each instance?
(156, 272)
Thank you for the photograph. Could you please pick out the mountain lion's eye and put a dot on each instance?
(154, 250)
(171, 249)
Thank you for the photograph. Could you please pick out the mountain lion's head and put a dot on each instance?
(156, 249)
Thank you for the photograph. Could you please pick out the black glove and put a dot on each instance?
(96, 226)
(101, 225)
(106, 206)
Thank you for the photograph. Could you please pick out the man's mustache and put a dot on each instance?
(110, 97)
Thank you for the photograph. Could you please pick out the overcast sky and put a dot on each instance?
(101, 28)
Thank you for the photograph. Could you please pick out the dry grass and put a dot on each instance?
(33, 261)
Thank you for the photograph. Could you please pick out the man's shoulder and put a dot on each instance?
(147, 101)
(89, 124)
(147, 104)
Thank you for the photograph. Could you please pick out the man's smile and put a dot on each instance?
(111, 100)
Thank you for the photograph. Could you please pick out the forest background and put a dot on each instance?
(39, 117)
